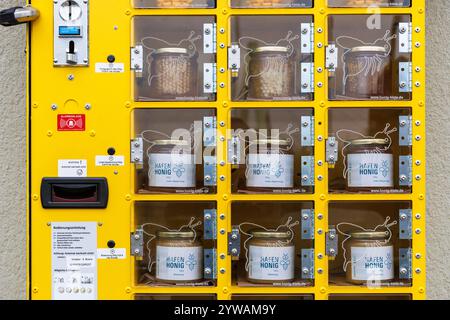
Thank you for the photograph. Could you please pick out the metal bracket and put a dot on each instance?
(405, 76)
(307, 38)
(405, 263)
(209, 171)
(209, 38)
(307, 224)
(307, 263)
(137, 243)
(405, 224)
(405, 171)
(234, 242)
(209, 131)
(210, 224)
(405, 131)
(234, 150)
(331, 243)
(137, 151)
(234, 58)
(137, 59)
(331, 62)
(307, 77)
(332, 150)
(405, 37)
(209, 78)
(307, 131)
(209, 264)
(307, 171)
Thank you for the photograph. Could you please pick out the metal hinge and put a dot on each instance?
(307, 171)
(405, 37)
(405, 171)
(307, 263)
(405, 76)
(234, 150)
(331, 243)
(332, 150)
(209, 264)
(405, 263)
(209, 78)
(209, 171)
(137, 151)
(405, 131)
(307, 38)
(405, 224)
(209, 38)
(209, 131)
(307, 77)
(307, 224)
(307, 131)
(209, 224)
(137, 59)
(137, 243)
(234, 59)
(234, 242)
(332, 58)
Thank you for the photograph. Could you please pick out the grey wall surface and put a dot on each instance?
(13, 155)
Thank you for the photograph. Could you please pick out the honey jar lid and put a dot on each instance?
(171, 50)
(271, 49)
(176, 234)
(273, 141)
(369, 49)
(369, 234)
(263, 234)
(363, 142)
(170, 142)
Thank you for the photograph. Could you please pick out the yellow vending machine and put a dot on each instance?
(226, 150)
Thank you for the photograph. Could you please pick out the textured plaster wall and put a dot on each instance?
(13, 152)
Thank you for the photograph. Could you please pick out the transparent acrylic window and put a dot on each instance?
(177, 55)
(373, 155)
(183, 297)
(274, 150)
(369, 3)
(370, 57)
(271, 297)
(154, 217)
(271, 3)
(284, 216)
(271, 58)
(163, 4)
(369, 297)
(363, 265)
(168, 167)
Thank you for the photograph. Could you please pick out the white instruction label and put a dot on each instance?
(109, 67)
(171, 170)
(372, 263)
(270, 170)
(72, 168)
(370, 170)
(109, 161)
(271, 263)
(179, 263)
(111, 253)
(74, 263)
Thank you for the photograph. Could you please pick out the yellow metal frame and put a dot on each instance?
(108, 124)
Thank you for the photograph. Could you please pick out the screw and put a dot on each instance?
(222, 231)
(222, 216)
(234, 251)
(222, 30)
(418, 231)
(417, 84)
(305, 270)
(222, 163)
(222, 178)
(403, 177)
(320, 271)
(320, 84)
(234, 236)
(418, 216)
(418, 69)
(319, 30)
(320, 178)
(222, 45)
(70, 77)
(319, 231)
(403, 217)
(332, 252)
(418, 138)
(320, 163)
(418, 44)
(136, 251)
(319, 45)
(319, 69)
(207, 216)
(222, 70)
(332, 236)
(222, 270)
(207, 270)
(222, 85)
(305, 217)
(320, 138)
(222, 123)
(418, 270)
(417, 29)
(418, 122)
(320, 256)
(207, 31)
(320, 216)
(402, 85)
(222, 256)
(137, 237)
(54, 107)
(403, 271)
(305, 31)
(207, 86)
(88, 106)
(418, 177)
(418, 256)
(418, 162)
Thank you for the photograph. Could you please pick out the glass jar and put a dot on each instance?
(370, 165)
(171, 164)
(179, 257)
(272, 166)
(174, 73)
(366, 69)
(271, 73)
(371, 257)
(271, 257)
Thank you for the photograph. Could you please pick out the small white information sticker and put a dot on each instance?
(109, 161)
(72, 168)
(109, 67)
(111, 254)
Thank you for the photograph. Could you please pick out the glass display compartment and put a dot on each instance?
(369, 297)
(271, 3)
(173, 58)
(369, 3)
(272, 150)
(169, 4)
(272, 244)
(370, 243)
(369, 150)
(369, 57)
(183, 297)
(174, 243)
(174, 150)
(271, 58)
(258, 297)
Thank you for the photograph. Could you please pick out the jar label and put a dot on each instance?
(171, 170)
(372, 263)
(271, 263)
(370, 170)
(179, 263)
(270, 170)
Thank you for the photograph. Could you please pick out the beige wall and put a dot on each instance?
(13, 151)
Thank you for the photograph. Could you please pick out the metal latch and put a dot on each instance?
(405, 171)
(307, 224)
(331, 243)
(405, 263)
(209, 38)
(209, 224)
(234, 59)
(307, 38)
(307, 77)
(137, 59)
(137, 243)
(234, 242)
(405, 37)
(209, 171)
(234, 150)
(210, 264)
(307, 263)
(209, 78)
(405, 131)
(405, 224)
(332, 150)
(17, 15)
(405, 76)
(332, 58)
(307, 171)
(307, 131)
(137, 151)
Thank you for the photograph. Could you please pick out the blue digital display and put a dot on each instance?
(69, 31)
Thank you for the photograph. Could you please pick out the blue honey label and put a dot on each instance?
(270, 171)
(179, 263)
(372, 263)
(370, 170)
(271, 263)
(171, 170)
